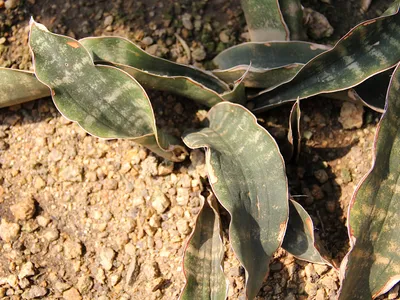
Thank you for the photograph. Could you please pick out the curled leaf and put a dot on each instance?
(204, 253)
(103, 100)
(160, 74)
(271, 63)
(248, 178)
(299, 238)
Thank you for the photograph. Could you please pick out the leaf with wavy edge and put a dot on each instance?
(299, 237)
(372, 267)
(203, 258)
(368, 49)
(293, 15)
(18, 86)
(160, 74)
(247, 174)
(103, 100)
(271, 63)
(264, 20)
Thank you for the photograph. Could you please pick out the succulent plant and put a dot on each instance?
(100, 84)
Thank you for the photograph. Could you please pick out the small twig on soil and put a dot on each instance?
(322, 223)
(184, 45)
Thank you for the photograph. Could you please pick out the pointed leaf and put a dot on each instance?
(299, 237)
(272, 63)
(265, 20)
(104, 100)
(368, 49)
(372, 266)
(294, 134)
(160, 74)
(247, 174)
(18, 86)
(204, 253)
(293, 15)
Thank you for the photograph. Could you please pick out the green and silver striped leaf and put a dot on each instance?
(299, 237)
(18, 86)
(271, 64)
(103, 100)
(264, 20)
(204, 253)
(247, 174)
(370, 48)
(160, 74)
(372, 267)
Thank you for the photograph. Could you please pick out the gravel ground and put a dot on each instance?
(85, 218)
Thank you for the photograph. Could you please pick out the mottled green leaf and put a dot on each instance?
(103, 100)
(368, 49)
(271, 63)
(247, 174)
(18, 86)
(299, 237)
(204, 253)
(160, 74)
(372, 266)
(264, 20)
(293, 15)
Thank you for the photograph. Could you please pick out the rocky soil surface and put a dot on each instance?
(85, 218)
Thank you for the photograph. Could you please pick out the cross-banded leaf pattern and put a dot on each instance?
(160, 74)
(103, 100)
(370, 48)
(372, 266)
(204, 253)
(248, 178)
(265, 20)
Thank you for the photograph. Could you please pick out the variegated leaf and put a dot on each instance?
(247, 174)
(293, 15)
(271, 64)
(299, 237)
(372, 266)
(18, 86)
(370, 48)
(104, 100)
(204, 253)
(264, 20)
(160, 74)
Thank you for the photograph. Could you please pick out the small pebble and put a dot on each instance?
(321, 176)
(27, 270)
(34, 292)
(108, 21)
(106, 258)
(23, 210)
(160, 202)
(72, 249)
(9, 231)
(72, 294)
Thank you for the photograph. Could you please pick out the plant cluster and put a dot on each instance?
(100, 82)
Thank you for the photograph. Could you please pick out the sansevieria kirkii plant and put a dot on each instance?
(101, 82)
